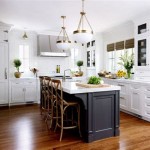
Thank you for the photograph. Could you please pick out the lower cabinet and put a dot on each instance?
(17, 92)
(134, 97)
(23, 91)
(135, 102)
(124, 101)
(3, 92)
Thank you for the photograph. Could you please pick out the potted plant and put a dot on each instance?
(17, 64)
(127, 61)
(79, 64)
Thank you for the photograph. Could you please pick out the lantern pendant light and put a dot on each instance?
(63, 42)
(25, 35)
(82, 35)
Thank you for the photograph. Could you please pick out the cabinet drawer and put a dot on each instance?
(146, 89)
(17, 83)
(146, 112)
(147, 104)
(30, 83)
(135, 86)
(124, 88)
(146, 97)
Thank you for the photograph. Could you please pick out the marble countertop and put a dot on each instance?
(71, 88)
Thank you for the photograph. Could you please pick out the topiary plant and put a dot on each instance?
(79, 63)
(17, 63)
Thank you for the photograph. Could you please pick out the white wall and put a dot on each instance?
(45, 65)
(119, 33)
(99, 52)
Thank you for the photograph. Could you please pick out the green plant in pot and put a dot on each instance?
(79, 64)
(17, 64)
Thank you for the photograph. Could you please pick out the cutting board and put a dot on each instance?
(92, 85)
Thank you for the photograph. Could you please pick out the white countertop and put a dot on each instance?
(129, 81)
(71, 88)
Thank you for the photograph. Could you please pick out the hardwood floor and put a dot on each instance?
(22, 128)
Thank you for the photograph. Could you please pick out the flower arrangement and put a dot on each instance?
(121, 73)
(127, 61)
(34, 70)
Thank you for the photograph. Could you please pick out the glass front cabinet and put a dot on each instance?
(142, 46)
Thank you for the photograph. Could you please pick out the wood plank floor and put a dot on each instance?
(22, 128)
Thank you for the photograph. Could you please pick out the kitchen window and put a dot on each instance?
(24, 57)
(113, 59)
(115, 50)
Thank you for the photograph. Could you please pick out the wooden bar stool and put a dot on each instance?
(41, 78)
(62, 107)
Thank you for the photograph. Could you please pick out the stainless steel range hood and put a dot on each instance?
(53, 54)
(47, 47)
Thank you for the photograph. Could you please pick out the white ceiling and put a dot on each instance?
(45, 14)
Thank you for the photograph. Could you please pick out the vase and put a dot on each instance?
(17, 74)
(80, 72)
(128, 73)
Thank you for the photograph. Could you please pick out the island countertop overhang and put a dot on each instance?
(72, 88)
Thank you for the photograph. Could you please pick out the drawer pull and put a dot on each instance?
(148, 113)
(148, 89)
(148, 96)
(122, 97)
(135, 93)
(120, 85)
(148, 104)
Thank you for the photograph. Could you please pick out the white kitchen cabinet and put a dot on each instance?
(4, 84)
(91, 54)
(124, 102)
(30, 92)
(3, 35)
(3, 92)
(3, 73)
(17, 92)
(135, 102)
(142, 44)
(23, 91)
(124, 97)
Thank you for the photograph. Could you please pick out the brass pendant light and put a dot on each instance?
(63, 41)
(82, 35)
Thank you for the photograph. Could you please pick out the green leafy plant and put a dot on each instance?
(17, 63)
(79, 63)
(94, 80)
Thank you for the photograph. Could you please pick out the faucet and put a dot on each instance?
(64, 77)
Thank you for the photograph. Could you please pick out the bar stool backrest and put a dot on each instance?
(57, 87)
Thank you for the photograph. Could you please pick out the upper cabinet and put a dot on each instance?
(3, 35)
(91, 54)
(142, 29)
(142, 45)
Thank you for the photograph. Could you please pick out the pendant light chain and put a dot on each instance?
(83, 17)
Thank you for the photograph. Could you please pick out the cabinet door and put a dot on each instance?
(3, 92)
(30, 91)
(3, 36)
(17, 92)
(135, 101)
(3, 73)
(142, 53)
(30, 94)
(124, 102)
